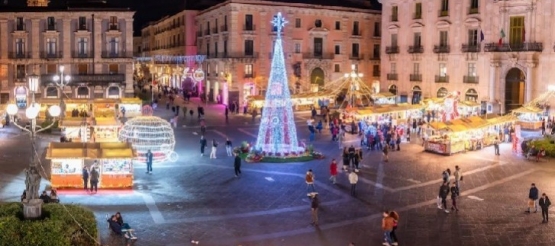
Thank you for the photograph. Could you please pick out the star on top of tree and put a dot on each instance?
(279, 22)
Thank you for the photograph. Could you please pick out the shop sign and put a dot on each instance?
(436, 147)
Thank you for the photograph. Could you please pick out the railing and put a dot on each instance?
(207, 31)
(49, 27)
(19, 55)
(199, 33)
(417, 16)
(473, 10)
(236, 55)
(356, 57)
(356, 33)
(250, 75)
(471, 79)
(505, 47)
(19, 27)
(50, 55)
(249, 28)
(113, 27)
(392, 50)
(416, 77)
(81, 27)
(77, 54)
(215, 30)
(95, 79)
(470, 48)
(392, 76)
(111, 54)
(223, 28)
(441, 49)
(414, 49)
(375, 58)
(442, 79)
(376, 73)
(394, 18)
(313, 55)
(443, 13)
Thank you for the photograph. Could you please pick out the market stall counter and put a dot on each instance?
(113, 161)
(131, 106)
(529, 117)
(104, 108)
(105, 130)
(76, 129)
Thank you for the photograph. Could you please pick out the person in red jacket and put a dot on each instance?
(333, 171)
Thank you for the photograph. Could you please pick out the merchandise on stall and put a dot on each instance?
(529, 117)
(77, 108)
(132, 106)
(104, 108)
(106, 130)
(76, 129)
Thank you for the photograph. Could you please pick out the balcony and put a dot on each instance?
(416, 77)
(207, 32)
(249, 75)
(81, 27)
(199, 33)
(474, 48)
(470, 79)
(392, 49)
(438, 49)
(50, 27)
(392, 76)
(356, 57)
(394, 18)
(91, 79)
(416, 49)
(442, 79)
(81, 54)
(50, 55)
(376, 73)
(19, 55)
(111, 54)
(318, 56)
(516, 47)
(375, 57)
(223, 28)
(113, 27)
(356, 33)
(249, 28)
(473, 10)
(19, 27)
(236, 55)
(215, 30)
(417, 16)
(443, 13)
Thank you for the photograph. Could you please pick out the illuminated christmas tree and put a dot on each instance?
(277, 134)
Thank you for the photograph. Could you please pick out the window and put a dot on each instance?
(249, 47)
(442, 92)
(472, 69)
(19, 46)
(51, 46)
(82, 23)
(51, 92)
(83, 92)
(298, 23)
(443, 39)
(393, 68)
(216, 48)
(418, 11)
(444, 5)
(20, 71)
(393, 89)
(394, 40)
(318, 45)
(394, 13)
(297, 48)
(208, 49)
(442, 70)
(376, 70)
(225, 23)
(113, 68)
(473, 37)
(274, 28)
(336, 68)
(82, 68)
(113, 23)
(417, 39)
(114, 46)
(337, 49)
(248, 70)
(473, 5)
(416, 68)
(50, 23)
(113, 91)
(355, 49)
(376, 52)
(337, 25)
(249, 23)
(318, 23)
(355, 28)
(377, 29)
(225, 47)
(82, 46)
(19, 24)
(516, 34)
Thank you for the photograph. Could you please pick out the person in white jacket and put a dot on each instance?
(353, 179)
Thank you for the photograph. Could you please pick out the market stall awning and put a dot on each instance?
(89, 151)
(48, 101)
(476, 122)
(382, 95)
(131, 100)
(502, 119)
(469, 104)
(76, 101)
(458, 128)
(438, 125)
(528, 109)
(106, 122)
(105, 100)
(73, 122)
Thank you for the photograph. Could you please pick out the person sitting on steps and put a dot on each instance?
(121, 228)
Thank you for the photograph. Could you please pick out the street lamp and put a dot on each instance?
(354, 78)
(62, 81)
(32, 204)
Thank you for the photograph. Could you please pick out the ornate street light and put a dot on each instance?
(61, 81)
(32, 204)
(354, 86)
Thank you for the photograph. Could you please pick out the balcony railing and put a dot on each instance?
(392, 50)
(505, 47)
(19, 55)
(441, 49)
(394, 18)
(442, 79)
(113, 27)
(223, 28)
(443, 13)
(376, 73)
(417, 16)
(392, 76)
(77, 54)
(215, 30)
(473, 10)
(356, 57)
(318, 55)
(375, 57)
(199, 33)
(50, 27)
(416, 77)
(249, 28)
(250, 75)
(19, 27)
(50, 55)
(207, 31)
(415, 49)
(237, 55)
(474, 48)
(356, 33)
(92, 79)
(471, 79)
(111, 54)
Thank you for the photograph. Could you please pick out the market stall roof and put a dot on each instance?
(435, 100)
(502, 119)
(106, 122)
(131, 100)
(528, 109)
(386, 94)
(69, 122)
(458, 128)
(48, 101)
(475, 121)
(89, 151)
(105, 100)
(470, 104)
(438, 125)
(76, 101)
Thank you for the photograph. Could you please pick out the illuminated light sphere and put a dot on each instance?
(277, 133)
(12, 109)
(150, 133)
(32, 111)
(54, 111)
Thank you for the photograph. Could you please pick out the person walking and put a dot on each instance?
(346, 161)
(395, 217)
(454, 194)
(333, 171)
(496, 145)
(226, 114)
(214, 148)
(387, 227)
(533, 198)
(358, 157)
(85, 178)
(315, 203)
(443, 192)
(228, 147)
(202, 145)
(94, 180)
(353, 179)
(458, 179)
(237, 165)
(309, 179)
(149, 161)
(544, 205)
(352, 152)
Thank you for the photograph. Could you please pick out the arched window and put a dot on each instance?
(51, 92)
(471, 95)
(113, 92)
(416, 95)
(83, 91)
(442, 92)
(393, 89)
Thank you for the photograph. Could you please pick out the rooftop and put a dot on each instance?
(59, 5)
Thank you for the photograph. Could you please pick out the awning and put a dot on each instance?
(131, 100)
(90, 151)
(106, 122)
(528, 109)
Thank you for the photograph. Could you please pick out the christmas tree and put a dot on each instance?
(277, 134)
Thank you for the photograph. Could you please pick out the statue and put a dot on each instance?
(32, 183)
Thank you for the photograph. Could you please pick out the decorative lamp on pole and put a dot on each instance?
(354, 86)
(32, 205)
(61, 81)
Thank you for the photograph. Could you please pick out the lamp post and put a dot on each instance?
(61, 81)
(353, 87)
(32, 204)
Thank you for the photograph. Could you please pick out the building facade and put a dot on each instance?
(496, 52)
(320, 45)
(93, 45)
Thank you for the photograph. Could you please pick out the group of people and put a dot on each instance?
(119, 227)
(447, 188)
(534, 200)
(90, 177)
(45, 197)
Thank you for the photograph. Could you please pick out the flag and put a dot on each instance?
(523, 35)
(481, 36)
(502, 34)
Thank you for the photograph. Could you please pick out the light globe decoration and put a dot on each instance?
(277, 134)
(152, 133)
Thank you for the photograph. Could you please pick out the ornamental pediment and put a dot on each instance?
(416, 26)
(393, 27)
(318, 30)
(472, 22)
(443, 24)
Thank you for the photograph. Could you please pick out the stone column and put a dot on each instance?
(67, 42)
(492, 79)
(5, 40)
(529, 74)
(35, 38)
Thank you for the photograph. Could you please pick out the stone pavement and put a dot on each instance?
(197, 198)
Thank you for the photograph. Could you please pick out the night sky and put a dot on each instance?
(152, 10)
